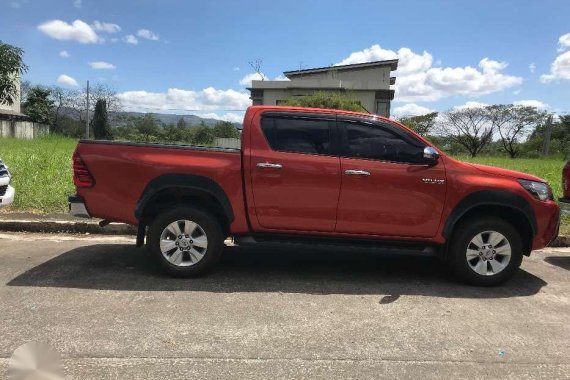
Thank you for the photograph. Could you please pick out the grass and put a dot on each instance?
(549, 169)
(42, 174)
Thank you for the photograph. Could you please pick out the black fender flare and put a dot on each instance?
(490, 198)
(195, 184)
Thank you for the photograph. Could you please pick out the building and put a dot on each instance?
(368, 82)
(13, 123)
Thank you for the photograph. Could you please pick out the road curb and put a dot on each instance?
(66, 226)
(92, 227)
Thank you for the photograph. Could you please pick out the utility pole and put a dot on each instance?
(547, 133)
(87, 118)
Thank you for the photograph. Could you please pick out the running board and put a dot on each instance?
(389, 245)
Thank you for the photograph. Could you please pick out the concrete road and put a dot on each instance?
(287, 312)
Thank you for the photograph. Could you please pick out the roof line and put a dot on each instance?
(393, 63)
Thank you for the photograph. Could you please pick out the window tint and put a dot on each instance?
(372, 142)
(297, 135)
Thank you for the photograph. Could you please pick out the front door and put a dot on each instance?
(296, 179)
(387, 188)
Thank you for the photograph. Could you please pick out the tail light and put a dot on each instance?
(81, 175)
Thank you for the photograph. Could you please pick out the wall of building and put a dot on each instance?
(373, 77)
(23, 129)
(16, 106)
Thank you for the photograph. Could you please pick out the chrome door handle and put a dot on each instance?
(357, 172)
(269, 165)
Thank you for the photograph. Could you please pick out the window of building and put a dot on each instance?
(376, 143)
(298, 135)
(382, 108)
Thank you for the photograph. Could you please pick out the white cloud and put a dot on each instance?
(147, 34)
(531, 103)
(66, 80)
(64, 54)
(246, 80)
(532, 68)
(564, 42)
(77, 3)
(410, 109)
(419, 80)
(471, 104)
(130, 39)
(559, 69)
(100, 65)
(233, 117)
(236, 68)
(174, 99)
(106, 27)
(76, 31)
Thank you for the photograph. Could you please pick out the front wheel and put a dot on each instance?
(186, 241)
(485, 251)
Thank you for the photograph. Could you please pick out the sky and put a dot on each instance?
(192, 57)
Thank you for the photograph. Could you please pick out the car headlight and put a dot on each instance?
(539, 190)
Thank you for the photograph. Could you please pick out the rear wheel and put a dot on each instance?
(186, 241)
(485, 251)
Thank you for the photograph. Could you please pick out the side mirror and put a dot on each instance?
(431, 155)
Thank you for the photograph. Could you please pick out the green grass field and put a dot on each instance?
(42, 172)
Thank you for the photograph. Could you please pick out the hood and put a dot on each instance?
(505, 172)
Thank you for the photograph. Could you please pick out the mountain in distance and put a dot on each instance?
(167, 118)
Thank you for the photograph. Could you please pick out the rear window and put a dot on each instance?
(298, 135)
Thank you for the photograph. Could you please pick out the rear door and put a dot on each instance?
(387, 188)
(295, 174)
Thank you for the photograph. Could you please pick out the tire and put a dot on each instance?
(479, 251)
(192, 253)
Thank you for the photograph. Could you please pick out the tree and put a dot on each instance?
(38, 105)
(63, 100)
(147, 127)
(325, 99)
(181, 123)
(468, 127)
(203, 135)
(100, 121)
(11, 68)
(256, 66)
(423, 124)
(225, 129)
(513, 122)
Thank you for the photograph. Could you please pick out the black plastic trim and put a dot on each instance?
(195, 183)
(490, 198)
(564, 200)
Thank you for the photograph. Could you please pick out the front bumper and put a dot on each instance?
(564, 205)
(77, 207)
(8, 197)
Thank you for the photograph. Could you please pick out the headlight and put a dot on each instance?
(539, 190)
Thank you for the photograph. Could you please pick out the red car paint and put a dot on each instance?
(310, 196)
(565, 200)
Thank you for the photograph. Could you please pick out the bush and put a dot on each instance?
(327, 99)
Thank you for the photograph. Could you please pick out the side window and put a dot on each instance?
(297, 135)
(375, 143)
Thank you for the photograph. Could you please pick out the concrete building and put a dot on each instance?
(13, 123)
(368, 82)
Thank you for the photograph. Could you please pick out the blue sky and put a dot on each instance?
(192, 55)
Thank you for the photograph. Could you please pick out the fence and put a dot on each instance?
(21, 129)
(227, 143)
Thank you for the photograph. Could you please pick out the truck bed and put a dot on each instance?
(122, 170)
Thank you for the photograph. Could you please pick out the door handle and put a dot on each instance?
(269, 165)
(363, 173)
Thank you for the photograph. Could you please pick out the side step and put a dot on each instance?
(387, 245)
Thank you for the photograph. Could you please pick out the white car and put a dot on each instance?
(6, 191)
